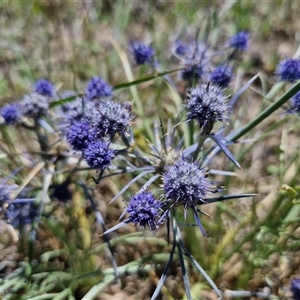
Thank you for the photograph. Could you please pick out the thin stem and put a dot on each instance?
(267, 112)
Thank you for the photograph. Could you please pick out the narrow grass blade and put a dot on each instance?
(183, 269)
(164, 274)
(199, 268)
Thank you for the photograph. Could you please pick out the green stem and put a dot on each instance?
(268, 111)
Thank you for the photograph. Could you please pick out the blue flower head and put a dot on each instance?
(11, 113)
(185, 184)
(98, 155)
(239, 41)
(221, 76)
(34, 106)
(80, 134)
(144, 209)
(295, 288)
(113, 118)
(44, 88)
(142, 53)
(206, 104)
(288, 70)
(97, 88)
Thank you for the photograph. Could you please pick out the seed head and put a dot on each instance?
(143, 209)
(34, 106)
(113, 118)
(288, 70)
(206, 104)
(11, 113)
(221, 76)
(97, 88)
(239, 41)
(142, 53)
(98, 155)
(44, 87)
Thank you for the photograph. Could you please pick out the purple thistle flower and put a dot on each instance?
(185, 184)
(98, 155)
(79, 135)
(221, 76)
(97, 88)
(206, 104)
(113, 118)
(34, 106)
(4, 193)
(288, 70)
(11, 113)
(144, 209)
(239, 41)
(44, 87)
(142, 53)
(295, 288)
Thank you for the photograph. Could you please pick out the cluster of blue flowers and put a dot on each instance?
(98, 130)
(92, 122)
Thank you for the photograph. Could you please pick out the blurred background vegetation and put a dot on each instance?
(251, 244)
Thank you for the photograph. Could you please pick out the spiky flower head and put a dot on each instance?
(113, 118)
(98, 155)
(288, 70)
(11, 113)
(239, 41)
(142, 53)
(34, 106)
(144, 209)
(295, 288)
(44, 87)
(97, 88)
(4, 192)
(185, 183)
(221, 76)
(206, 104)
(80, 134)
